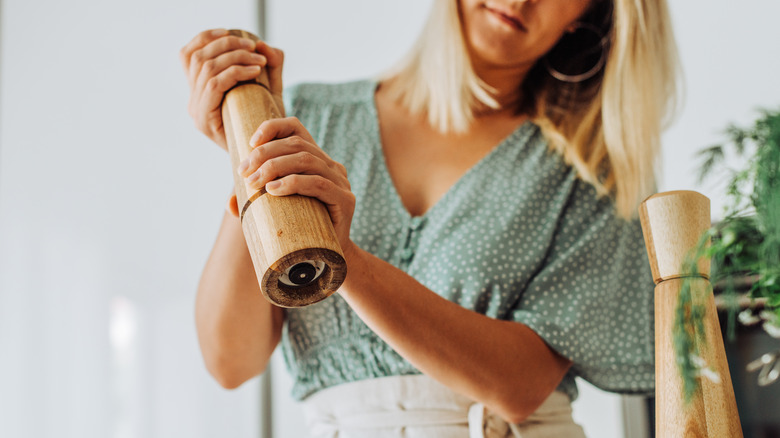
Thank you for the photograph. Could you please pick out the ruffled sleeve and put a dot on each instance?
(592, 301)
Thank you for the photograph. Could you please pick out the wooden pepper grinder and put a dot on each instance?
(291, 239)
(673, 223)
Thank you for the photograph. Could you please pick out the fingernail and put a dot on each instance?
(254, 177)
(256, 137)
(249, 44)
(273, 185)
(243, 166)
(219, 32)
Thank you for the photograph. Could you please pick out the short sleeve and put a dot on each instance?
(592, 301)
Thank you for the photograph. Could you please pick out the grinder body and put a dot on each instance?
(291, 239)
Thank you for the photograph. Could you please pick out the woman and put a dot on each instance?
(482, 193)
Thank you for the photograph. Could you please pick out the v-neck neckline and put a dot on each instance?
(376, 132)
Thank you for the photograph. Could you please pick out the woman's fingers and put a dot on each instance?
(214, 62)
(205, 107)
(208, 53)
(217, 65)
(340, 201)
(197, 43)
(287, 161)
(215, 87)
(279, 128)
(315, 186)
(278, 148)
(221, 75)
(301, 163)
(277, 137)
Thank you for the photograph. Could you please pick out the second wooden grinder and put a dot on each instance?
(673, 223)
(291, 239)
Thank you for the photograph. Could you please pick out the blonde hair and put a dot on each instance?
(607, 127)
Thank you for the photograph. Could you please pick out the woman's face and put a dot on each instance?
(515, 33)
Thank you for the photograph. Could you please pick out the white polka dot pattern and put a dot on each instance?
(518, 237)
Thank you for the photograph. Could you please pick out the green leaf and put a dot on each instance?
(746, 242)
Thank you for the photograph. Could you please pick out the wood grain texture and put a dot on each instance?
(672, 417)
(280, 231)
(719, 401)
(672, 223)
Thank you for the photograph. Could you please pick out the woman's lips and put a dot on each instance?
(507, 17)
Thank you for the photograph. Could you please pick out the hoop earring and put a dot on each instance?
(600, 47)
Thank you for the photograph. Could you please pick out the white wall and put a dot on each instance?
(109, 202)
(729, 53)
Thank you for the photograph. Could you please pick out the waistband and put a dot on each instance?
(418, 406)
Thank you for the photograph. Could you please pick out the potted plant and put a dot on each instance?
(744, 248)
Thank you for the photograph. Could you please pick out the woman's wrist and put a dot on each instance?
(356, 259)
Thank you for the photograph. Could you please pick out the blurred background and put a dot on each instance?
(110, 199)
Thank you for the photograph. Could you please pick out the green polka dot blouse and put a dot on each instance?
(517, 238)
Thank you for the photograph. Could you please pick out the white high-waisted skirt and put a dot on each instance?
(419, 407)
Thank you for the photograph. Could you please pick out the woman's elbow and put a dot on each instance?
(516, 406)
(517, 410)
(230, 375)
(229, 381)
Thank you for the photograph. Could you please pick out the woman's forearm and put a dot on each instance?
(238, 329)
(502, 364)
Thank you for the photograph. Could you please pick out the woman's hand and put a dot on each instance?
(214, 62)
(287, 161)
